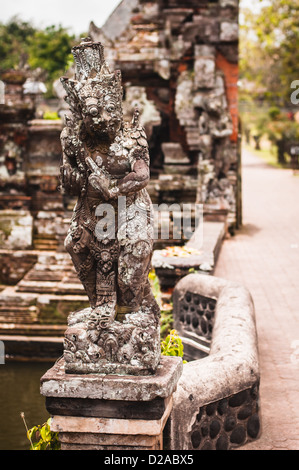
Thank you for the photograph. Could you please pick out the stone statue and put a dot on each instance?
(110, 239)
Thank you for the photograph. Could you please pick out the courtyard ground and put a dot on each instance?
(264, 256)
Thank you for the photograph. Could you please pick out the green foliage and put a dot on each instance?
(42, 438)
(52, 115)
(166, 323)
(269, 52)
(172, 345)
(48, 49)
(14, 42)
(166, 320)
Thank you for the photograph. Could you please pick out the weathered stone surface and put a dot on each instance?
(16, 229)
(130, 345)
(104, 440)
(116, 448)
(229, 3)
(46, 348)
(56, 383)
(202, 29)
(173, 153)
(229, 31)
(218, 389)
(114, 426)
(121, 409)
(106, 163)
(204, 66)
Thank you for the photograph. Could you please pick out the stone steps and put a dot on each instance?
(18, 314)
(41, 307)
(206, 240)
(50, 287)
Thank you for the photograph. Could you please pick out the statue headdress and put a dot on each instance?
(90, 67)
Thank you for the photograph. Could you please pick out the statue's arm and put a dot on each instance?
(137, 179)
(134, 181)
(70, 176)
(71, 179)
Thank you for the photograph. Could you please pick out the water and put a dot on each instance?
(20, 391)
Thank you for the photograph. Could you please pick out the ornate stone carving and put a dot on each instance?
(110, 239)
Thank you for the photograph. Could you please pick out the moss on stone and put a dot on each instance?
(56, 312)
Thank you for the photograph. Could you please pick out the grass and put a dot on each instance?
(267, 153)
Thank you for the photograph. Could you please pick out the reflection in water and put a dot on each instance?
(20, 391)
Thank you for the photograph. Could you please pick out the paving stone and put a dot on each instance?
(261, 257)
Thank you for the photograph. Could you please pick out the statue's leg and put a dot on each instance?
(105, 307)
(133, 284)
(84, 266)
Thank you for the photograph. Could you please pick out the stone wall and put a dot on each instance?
(30, 154)
(33, 219)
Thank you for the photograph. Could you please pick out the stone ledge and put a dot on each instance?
(230, 372)
(57, 383)
(32, 348)
(207, 241)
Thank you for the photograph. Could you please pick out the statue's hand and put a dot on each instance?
(70, 177)
(99, 184)
(97, 179)
(66, 171)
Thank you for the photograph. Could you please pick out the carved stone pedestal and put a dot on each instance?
(130, 345)
(110, 412)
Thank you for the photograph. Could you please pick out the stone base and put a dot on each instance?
(93, 441)
(110, 412)
(111, 433)
(57, 383)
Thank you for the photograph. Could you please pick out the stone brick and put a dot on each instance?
(231, 73)
(229, 31)
(204, 66)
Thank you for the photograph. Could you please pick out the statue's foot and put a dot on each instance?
(104, 316)
(79, 316)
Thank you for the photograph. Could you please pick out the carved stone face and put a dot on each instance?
(101, 108)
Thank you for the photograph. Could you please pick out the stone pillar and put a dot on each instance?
(110, 412)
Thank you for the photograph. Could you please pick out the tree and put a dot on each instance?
(14, 42)
(50, 49)
(269, 53)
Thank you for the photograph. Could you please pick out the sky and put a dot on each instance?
(72, 14)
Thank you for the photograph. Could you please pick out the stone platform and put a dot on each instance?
(205, 245)
(104, 412)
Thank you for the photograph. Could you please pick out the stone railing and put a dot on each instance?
(216, 403)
